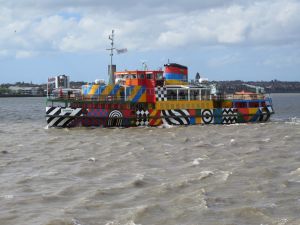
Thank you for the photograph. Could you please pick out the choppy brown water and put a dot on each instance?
(229, 175)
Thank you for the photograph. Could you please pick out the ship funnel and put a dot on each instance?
(175, 74)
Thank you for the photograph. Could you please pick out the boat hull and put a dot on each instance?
(120, 115)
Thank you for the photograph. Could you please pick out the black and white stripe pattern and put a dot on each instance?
(161, 93)
(264, 114)
(60, 116)
(115, 119)
(229, 116)
(176, 117)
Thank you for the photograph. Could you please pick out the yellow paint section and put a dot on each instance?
(174, 82)
(107, 90)
(134, 92)
(94, 89)
(198, 120)
(227, 104)
(253, 111)
(194, 104)
(143, 98)
(154, 121)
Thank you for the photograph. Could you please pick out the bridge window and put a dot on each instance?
(159, 76)
(149, 75)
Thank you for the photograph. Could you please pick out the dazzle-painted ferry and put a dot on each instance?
(151, 98)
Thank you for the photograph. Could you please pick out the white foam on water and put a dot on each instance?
(75, 222)
(168, 145)
(225, 175)
(266, 140)
(118, 223)
(295, 172)
(7, 196)
(92, 159)
(197, 161)
(219, 145)
(165, 126)
(232, 140)
(205, 174)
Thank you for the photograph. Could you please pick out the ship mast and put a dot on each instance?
(111, 49)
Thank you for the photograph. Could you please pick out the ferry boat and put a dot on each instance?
(151, 98)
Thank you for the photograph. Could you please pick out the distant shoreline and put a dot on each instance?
(21, 96)
(30, 96)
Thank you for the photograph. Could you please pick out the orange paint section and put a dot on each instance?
(247, 113)
(155, 121)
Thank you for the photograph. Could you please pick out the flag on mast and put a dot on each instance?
(122, 50)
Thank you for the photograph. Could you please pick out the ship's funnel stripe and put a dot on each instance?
(175, 76)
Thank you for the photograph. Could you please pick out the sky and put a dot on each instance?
(221, 39)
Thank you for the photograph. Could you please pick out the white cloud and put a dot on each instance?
(76, 26)
(224, 60)
(24, 54)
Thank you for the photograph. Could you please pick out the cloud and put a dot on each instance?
(80, 26)
(224, 60)
(24, 54)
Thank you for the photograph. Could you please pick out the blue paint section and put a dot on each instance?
(139, 94)
(115, 90)
(129, 90)
(175, 76)
(86, 89)
(218, 116)
(192, 120)
(256, 116)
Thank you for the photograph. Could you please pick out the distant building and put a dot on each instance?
(26, 90)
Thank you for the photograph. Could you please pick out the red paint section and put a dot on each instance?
(192, 112)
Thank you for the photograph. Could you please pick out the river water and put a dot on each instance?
(195, 175)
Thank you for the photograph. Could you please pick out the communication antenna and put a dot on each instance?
(111, 49)
(145, 66)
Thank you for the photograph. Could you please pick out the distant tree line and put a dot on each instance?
(273, 86)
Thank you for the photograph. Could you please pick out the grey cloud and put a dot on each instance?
(145, 25)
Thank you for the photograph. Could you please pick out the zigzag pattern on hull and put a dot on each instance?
(61, 117)
(176, 117)
(229, 116)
